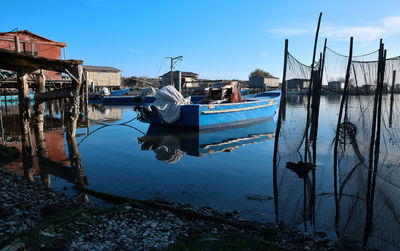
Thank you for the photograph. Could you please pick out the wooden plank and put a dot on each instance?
(27, 63)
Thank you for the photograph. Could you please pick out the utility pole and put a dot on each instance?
(174, 60)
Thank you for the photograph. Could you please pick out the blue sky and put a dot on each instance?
(218, 39)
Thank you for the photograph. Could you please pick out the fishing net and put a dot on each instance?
(339, 194)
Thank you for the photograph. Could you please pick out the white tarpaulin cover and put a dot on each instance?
(168, 103)
(104, 91)
(148, 92)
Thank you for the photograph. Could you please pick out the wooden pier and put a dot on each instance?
(68, 91)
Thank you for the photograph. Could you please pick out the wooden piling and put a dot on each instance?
(72, 115)
(24, 102)
(309, 89)
(39, 117)
(335, 150)
(374, 144)
(284, 83)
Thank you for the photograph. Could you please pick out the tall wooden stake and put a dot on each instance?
(309, 89)
(335, 150)
(284, 83)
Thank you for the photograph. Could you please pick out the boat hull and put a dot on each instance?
(215, 116)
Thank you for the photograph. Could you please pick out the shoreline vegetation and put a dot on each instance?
(33, 217)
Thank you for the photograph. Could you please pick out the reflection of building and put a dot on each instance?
(263, 82)
(336, 85)
(105, 113)
(297, 84)
(368, 88)
(34, 44)
(98, 77)
(184, 77)
(55, 151)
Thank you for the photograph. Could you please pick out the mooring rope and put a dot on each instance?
(106, 125)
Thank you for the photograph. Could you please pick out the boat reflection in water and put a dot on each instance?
(170, 144)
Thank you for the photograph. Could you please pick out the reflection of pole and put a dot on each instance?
(392, 99)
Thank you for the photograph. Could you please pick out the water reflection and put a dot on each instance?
(170, 144)
(47, 154)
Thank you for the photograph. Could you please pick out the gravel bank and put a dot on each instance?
(34, 217)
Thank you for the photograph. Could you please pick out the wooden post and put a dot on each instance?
(374, 144)
(335, 150)
(1, 123)
(72, 116)
(24, 102)
(41, 151)
(87, 107)
(284, 83)
(309, 89)
(17, 44)
(392, 99)
(39, 118)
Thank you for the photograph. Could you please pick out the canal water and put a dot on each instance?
(231, 169)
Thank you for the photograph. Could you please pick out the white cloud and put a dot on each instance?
(389, 26)
(263, 54)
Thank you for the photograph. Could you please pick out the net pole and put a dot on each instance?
(335, 151)
(309, 89)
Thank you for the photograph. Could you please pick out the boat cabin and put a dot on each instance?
(222, 93)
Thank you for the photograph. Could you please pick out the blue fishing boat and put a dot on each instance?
(100, 94)
(222, 107)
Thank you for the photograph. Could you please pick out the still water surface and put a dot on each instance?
(227, 170)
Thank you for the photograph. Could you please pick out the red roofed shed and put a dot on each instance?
(33, 44)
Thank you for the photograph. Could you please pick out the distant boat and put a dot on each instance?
(14, 98)
(98, 95)
(170, 144)
(222, 107)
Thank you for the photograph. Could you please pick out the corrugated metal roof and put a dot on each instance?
(185, 74)
(100, 68)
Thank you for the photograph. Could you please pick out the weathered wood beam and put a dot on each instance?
(56, 94)
(21, 62)
(24, 113)
(39, 116)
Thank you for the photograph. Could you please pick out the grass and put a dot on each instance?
(223, 241)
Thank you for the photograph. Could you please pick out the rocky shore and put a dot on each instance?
(33, 217)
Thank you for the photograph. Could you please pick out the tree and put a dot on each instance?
(260, 73)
